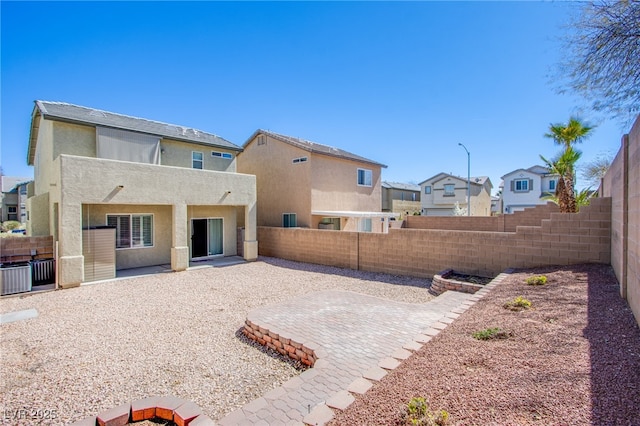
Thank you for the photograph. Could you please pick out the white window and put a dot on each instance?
(427, 189)
(413, 196)
(521, 185)
(289, 220)
(364, 177)
(364, 224)
(300, 160)
(132, 230)
(552, 185)
(449, 189)
(221, 155)
(197, 160)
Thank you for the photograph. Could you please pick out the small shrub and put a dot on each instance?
(491, 333)
(518, 304)
(536, 280)
(419, 414)
(10, 225)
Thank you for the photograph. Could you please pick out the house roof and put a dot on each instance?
(10, 183)
(312, 147)
(61, 111)
(403, 186)
(538, 170)
(475, 180)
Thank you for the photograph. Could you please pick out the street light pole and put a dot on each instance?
(468, 179)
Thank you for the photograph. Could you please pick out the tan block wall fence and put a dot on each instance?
(561, 239)
(502, 223)
(18, 249)
(622, 185)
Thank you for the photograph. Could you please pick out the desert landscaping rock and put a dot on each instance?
(96, 347)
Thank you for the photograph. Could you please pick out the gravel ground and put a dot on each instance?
(573, 359)
(96, 347)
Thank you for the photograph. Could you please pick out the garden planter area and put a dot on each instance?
(451, 280)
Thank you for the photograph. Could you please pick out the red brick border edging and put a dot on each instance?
(177, 410)
(285, 346)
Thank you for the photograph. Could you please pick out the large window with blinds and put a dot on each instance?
(132, 230)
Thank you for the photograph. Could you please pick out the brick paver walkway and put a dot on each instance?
(358, 338)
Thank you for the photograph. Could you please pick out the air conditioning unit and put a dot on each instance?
(15, 278)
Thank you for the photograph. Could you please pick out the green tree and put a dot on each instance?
(567, 135)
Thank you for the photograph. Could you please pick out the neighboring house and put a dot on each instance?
(171, 193)
(442, 192)
(402, 198)
(526, 187)
(14, 197)
(496, 205)
(307, 184)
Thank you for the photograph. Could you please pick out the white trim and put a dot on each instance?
(201, 160)
(365, 177)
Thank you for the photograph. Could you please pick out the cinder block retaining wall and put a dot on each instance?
(503, 223)
(622, 184)
(562, 239)
(18, 249)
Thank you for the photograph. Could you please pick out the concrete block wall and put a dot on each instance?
(324, 247)
(621, 184)
(562, 239)
(18, 249)
(502, 223)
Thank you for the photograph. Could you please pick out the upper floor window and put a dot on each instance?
(413, 196)
(300, 160)
(449, 189)
(521, 185)
(289, 220)
(132, 230)
(197, 160)
(552, 185)
(23, 190)
(221, 155)
(262, 140)
(427, 189)
(364, 177)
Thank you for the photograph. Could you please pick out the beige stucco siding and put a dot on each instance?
(282, 186)
(43, 157)
(158, 254)
(179, 154)
(335, 185)
(73, 139)
(38, 216)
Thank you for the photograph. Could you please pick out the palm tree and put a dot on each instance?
(575, 131)
(563, 166)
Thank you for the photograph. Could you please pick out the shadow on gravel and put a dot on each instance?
(349, 273)
(270, 352)
(614, 338)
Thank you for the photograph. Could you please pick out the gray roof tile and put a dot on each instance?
(313, 147)
(79, 114)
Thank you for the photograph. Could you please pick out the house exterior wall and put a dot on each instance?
(400, 201)
(282, 186)
(228, 216)
(179, 154)
(9, 199)
(514, 201)
(438, 204)
(334, 185)
(158, 254)
(67, 188)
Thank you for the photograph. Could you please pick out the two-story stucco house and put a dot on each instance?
(306, 184)
(401, 198)
(13, 198)
(442, 192)
(171, 193)
(524, 188)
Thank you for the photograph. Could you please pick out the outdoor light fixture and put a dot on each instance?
(120, 186)
(468, 179)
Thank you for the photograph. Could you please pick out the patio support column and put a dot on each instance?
(179, 239)
(250, 242)
(385, 225)
(71, 261)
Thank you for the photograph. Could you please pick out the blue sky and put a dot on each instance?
(399, 83)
